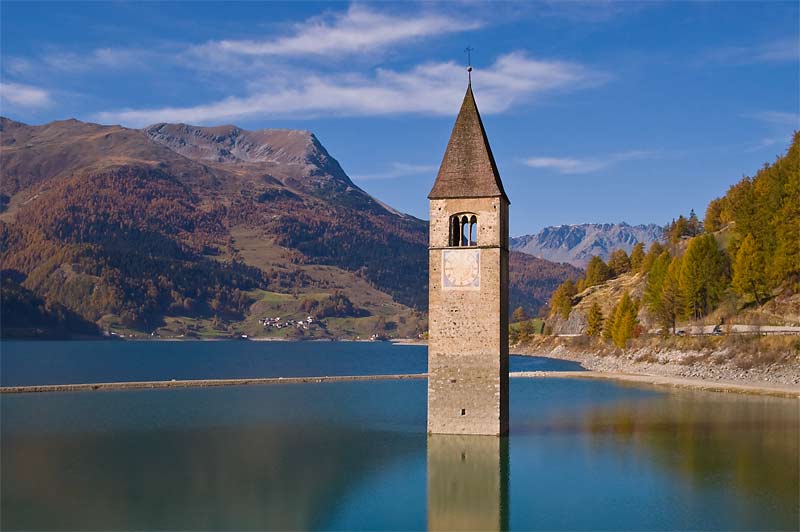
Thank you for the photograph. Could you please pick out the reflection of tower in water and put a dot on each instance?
(467, 482)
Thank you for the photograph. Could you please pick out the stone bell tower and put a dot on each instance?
(468, 286)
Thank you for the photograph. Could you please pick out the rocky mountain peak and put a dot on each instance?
(577, 243)
(231, 144)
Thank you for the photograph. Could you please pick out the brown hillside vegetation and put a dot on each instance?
(202, 228)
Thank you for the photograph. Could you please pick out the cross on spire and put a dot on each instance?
(469, 51)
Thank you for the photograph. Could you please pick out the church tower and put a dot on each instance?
(468, 286)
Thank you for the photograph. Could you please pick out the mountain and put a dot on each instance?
(575, 244)
(206, 230)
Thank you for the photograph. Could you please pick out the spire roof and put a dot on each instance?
(468, 169)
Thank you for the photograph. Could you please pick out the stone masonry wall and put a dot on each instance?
(468, 341)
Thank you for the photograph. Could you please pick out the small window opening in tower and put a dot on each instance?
(473, 231)
(464, 231)
(455, 231)
(463, 411)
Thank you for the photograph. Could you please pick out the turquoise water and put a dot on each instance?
(354, 455)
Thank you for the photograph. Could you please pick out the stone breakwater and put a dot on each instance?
(637, 379)
(200, 383)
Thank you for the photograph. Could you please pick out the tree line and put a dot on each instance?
(747, 250)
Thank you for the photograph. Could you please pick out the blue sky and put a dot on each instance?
(598, 112)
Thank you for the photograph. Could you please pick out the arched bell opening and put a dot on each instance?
(463, 230)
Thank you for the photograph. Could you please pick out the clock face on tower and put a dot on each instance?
(461, 269)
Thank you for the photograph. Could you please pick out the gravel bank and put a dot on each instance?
(708, 366)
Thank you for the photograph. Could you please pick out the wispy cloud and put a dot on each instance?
(781, 50)
(23, 95)
(585, 166)
(357, 30)
(765, 143)
(778, 118)
(105, 58)
(397, 170)
(431, 88)
(775, 51)
(596, 11)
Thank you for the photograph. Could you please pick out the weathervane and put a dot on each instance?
(469, 50)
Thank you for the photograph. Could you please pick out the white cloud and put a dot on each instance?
(398, 170)
(358, 30)
(431, 88)
(23, 95)
(584, 166)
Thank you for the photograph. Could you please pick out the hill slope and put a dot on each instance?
(177, 224)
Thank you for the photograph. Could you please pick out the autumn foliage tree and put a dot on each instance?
(749, 271)
(653, 252)
(637, 256)
(623, 322)
(766, 207)
(519, 315)
(703, 277)
(619, 262)
(597, 271)
(561, 301)
(595, 320)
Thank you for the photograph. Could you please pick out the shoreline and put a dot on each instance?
(715, 364)
(777, 390)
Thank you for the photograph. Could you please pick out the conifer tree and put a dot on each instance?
(519, 315)
(656, 248)
(608, 324)
(561, 300)
(580, 285)
(714, 221)
(671, 299)
(693, 225)
(637, 256)
(595, 320)
(619, 262)
(786, 263)
(597, 272)
(749, 271)
(655, 283)
(624, 322)
(677, 230)
(703, 276)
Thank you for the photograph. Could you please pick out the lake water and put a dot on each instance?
(354, 455)
(26, 363)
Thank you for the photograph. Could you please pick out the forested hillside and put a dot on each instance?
(744, 257)
(181, 225)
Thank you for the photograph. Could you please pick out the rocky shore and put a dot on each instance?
(709, 365)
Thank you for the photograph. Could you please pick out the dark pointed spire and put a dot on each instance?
(468, 169)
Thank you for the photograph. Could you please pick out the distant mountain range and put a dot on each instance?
(575, 244)
(176, 222)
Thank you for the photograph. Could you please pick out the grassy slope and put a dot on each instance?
(256, 250)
